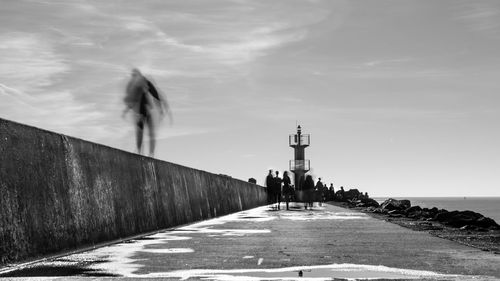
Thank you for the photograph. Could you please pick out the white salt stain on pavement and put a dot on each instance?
(118, 257)
(316, 213)
(225, 232)
(325, 215)
(169, 251)
(165, 236)
(300, 214)
(317, 272)
(254, 215)
(122, 264)
(262, 214)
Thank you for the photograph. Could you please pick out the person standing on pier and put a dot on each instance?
(142, 96)
(309, 189)
(270, 187)
(319, 185)
(341, 193)
(319, 191)
(331, 192)
(277, 188)
(287, 189)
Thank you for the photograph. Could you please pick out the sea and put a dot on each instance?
(487, 206)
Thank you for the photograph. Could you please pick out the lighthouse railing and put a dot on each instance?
(299, 165)
(293, 140)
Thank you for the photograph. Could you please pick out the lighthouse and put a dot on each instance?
(299, 166)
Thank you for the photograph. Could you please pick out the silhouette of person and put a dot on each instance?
(270, 187)
(309, 189)
(141, 97)
(319, 191)
(277, 188)
(324, 193)
(319, 184)
(342, 193)
(287, 189)
(331, 192)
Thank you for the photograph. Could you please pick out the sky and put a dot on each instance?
(400, 97)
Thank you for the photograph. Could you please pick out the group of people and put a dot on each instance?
(316, 192)
(308, 192)
(281, 188)
(326, 193)
(278, 188)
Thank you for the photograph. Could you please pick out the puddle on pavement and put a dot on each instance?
(320, 272)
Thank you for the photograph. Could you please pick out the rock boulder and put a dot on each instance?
(351, 194)
(367, 202)
(393, 204)
(465, 218)
(414, 212)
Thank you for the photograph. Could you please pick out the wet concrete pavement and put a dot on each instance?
(324, 243)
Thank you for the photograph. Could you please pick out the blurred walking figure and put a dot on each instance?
(142, 97)
(287, 189)
(309, 188)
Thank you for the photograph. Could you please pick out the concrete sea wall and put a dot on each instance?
(59, 193)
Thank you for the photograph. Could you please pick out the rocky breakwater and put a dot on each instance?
(467, 227)
(467, 220)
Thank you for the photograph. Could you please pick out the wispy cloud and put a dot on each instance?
(71, 39)
(380, 70)
(29, 62)
(224, 46)
(32, 73)
(57, 111)
(388, 62)
(184, 131)
(248, 155)
(480, 16)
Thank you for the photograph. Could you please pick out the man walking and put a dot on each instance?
(142, 96)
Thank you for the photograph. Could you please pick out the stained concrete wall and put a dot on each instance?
(59, 193)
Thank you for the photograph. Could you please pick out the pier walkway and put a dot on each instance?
(326, 243)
